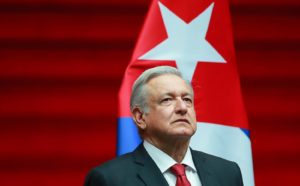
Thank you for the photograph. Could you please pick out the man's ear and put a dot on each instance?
(138, 117)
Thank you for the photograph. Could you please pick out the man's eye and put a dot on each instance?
(187, 99)
(166, 100)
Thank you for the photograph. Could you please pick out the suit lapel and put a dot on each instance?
(149, 173)
(205, 171)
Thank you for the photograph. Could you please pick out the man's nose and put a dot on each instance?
(180, 107)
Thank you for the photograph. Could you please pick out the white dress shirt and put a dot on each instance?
(164, 162)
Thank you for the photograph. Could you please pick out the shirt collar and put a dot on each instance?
(188, 160)
(164, 161)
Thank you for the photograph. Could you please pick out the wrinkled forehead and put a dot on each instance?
(168, 84)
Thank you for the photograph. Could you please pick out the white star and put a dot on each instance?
(186, 43)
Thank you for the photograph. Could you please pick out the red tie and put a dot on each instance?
(179, 170)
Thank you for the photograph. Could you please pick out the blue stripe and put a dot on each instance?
(247, 132)
(127, 137)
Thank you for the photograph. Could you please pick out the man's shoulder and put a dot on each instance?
(222, 169)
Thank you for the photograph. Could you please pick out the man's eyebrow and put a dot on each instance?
(188, 94)
(166, 94)
(172, 93)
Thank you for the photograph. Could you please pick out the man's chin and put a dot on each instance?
(183, 133)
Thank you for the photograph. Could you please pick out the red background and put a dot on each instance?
(62, 63)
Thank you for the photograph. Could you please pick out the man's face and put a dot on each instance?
(171, 106)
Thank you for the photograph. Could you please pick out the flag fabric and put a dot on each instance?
(194, 36)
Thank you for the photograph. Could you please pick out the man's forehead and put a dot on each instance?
(166, 79)
(168, 84)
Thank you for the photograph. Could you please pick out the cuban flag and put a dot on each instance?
(194, 36)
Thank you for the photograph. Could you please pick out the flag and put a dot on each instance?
(194, 36)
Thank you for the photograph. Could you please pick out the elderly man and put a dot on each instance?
(162, 107)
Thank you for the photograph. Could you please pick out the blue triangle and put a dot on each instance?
(247, 132)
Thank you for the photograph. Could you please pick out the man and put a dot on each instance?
(162, 108)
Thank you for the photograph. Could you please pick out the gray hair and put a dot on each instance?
(139, 94)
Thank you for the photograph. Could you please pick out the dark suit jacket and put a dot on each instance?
(138, 169)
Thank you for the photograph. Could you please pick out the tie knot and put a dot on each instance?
(181, 179)
(178, 169)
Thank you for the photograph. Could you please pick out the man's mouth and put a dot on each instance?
(181, 120)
